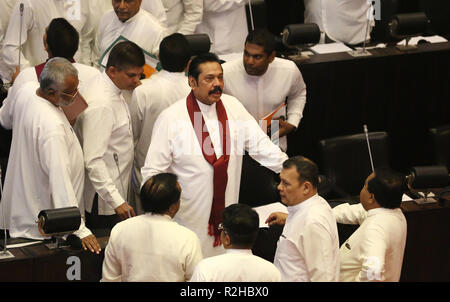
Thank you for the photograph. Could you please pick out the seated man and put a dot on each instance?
(374, 252)
(152, 247)
(238, 264)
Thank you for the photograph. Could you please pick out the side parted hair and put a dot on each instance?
(388, 187)
(241, 224)
(262, 37)
(306, 169)
(55, 73)
(159, 193)
(62, 38)
(174, 52)
(194, 70)
(126, 55)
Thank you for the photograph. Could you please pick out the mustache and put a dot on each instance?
(216, 89)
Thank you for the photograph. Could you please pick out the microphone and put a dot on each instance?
(251, 13)
(20, 33)
(116, 159)
(368, 146)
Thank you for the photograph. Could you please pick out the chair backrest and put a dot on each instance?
(259, 13)
(258, 184)
(346, 160)
(440, 137)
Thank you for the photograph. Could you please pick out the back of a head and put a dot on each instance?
(174, 52)
(126, 55)
(306, 169)
(388, 187)
(194, 70)
(262, 37)
(241, 223)
(55, 73)
(159, 193)
(62, 38)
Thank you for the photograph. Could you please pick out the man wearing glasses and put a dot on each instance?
(45, 168)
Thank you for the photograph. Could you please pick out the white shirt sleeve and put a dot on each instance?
(156, 8)
(111, 270)
(193, 13)
(373, 253)
(159, 155)
(296, 99)
(222, 5)
(87, 37)
(54, 159)
(194, 256)
(318, 250)
(96, 130)
(349, 214)
(136, 114)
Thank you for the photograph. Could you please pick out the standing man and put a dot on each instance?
(374, 252)
(133, 23)
(201, 139)
(156, 94)
(262, 83)
(308, 249)
(225, 23)
(152, 247)
(36, 16)
(45, 168)
(239, 231)
(106, 136)
(183, 15)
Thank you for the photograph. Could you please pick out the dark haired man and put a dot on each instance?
(239, 231)
(202, 139)
(152, 247)
(106, 136)
(308, 249)
(263, 82)
(156, 94)
(374, 252)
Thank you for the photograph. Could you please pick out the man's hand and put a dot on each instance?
(14, 76)
(91, 243)
(122, 211)
(285, 128)
(276, 218)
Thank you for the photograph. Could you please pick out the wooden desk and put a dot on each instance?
(38, 263)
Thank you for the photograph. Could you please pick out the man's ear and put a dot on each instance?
(272, 56)
(192, 82)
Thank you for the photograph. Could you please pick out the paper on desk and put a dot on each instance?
(330, 48)
(406, 198)
(12, 246)
(415, 40)
(265, 210)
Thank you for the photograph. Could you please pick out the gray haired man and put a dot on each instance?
(45, 167)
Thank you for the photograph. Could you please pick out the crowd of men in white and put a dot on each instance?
(134, 130)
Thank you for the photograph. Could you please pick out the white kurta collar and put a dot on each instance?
(206, 109)
(302, 205)
(377, 211)
(158, 216)
(110, 83)
(132, 19)
(239, 251)
(171, 75)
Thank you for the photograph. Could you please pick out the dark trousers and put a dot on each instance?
(95, 221)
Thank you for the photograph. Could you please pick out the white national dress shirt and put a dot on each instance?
(143, 29)
(308, 249)
(104, 128)
(175, 148)
(236, 265)
(374, 252)
(183, 15)
(150, 248)
(261, 95)
(225, 23)
(342, 20)
(149, 99)
(6, 7)
(45, 166)
(36, 18)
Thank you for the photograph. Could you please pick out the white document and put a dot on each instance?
(266, 210)
(415, 40)
(12, 246)
(330, 48)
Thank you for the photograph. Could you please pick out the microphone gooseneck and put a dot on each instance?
(368, 146)
(20, 33)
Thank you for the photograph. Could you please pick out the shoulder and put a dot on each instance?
(233, 66)
(284, 64)
(149, 19)
(85, 70)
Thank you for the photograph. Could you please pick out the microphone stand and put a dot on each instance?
(20, 33)
(368, 146)
(5, 253)
(251, 14)
(363, 52)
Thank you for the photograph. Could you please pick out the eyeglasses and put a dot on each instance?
(72, 97)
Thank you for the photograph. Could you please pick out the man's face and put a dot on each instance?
(125, 9)
(365, 197)
(126, 79)
(256, 61)
(291, 189)
(68, 92)
(209, 87)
